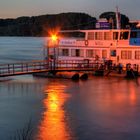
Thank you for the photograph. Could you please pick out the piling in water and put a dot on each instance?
(84, 76)
(75, 77)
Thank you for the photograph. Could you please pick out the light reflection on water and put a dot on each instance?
(53, 124)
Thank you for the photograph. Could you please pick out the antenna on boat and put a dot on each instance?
(118, 16)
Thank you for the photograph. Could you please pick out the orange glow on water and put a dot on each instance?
(132, 96)
(53, 125)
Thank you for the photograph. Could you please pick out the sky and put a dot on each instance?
(17, 8)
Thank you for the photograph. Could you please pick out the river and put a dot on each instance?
(101, 108)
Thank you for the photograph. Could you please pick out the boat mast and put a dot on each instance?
(118, 16)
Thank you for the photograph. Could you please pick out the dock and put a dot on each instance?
(22, 68)
(44, 66)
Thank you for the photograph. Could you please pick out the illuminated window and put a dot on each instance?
(126, 54)
(98, 36)
(137, 55)
(91, 36)
(107, 35)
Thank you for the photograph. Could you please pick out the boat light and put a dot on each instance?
(54, 37)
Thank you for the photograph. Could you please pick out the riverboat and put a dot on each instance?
(121, 46)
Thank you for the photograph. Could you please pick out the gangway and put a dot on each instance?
(13, 69)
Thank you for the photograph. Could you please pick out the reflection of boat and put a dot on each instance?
(119, 45)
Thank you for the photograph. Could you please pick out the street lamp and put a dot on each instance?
(53, 43)
(54, 38)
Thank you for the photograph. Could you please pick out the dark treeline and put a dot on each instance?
(41, 25)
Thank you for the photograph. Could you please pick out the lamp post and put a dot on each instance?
(54, 43)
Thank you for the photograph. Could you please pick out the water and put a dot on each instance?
(59, 109)
(14, 49)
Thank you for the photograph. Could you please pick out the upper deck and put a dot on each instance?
(101, 38)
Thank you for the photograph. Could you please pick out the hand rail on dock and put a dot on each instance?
(12, 69)
(42, 66)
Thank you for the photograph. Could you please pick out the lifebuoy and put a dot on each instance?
(86, 42)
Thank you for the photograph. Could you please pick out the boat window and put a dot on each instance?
(126, 54)
(113, 53)
(77, 53)
(92, 53)
(65, 52)
(124, 35)
(107, 35)
(115, 35)
(104, 54)
(137, 55)
(96, 53)
(98, 36)
(89, 53)
(91, 36)
(60, 52)
(133, 34)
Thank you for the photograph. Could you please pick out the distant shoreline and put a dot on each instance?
(39, 26)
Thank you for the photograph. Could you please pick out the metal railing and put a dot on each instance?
(59, 65)
(42, 66)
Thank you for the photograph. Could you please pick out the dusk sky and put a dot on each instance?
(17, 8)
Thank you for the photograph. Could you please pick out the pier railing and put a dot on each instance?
(12, 69)
(22, 68)
(44, 66)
